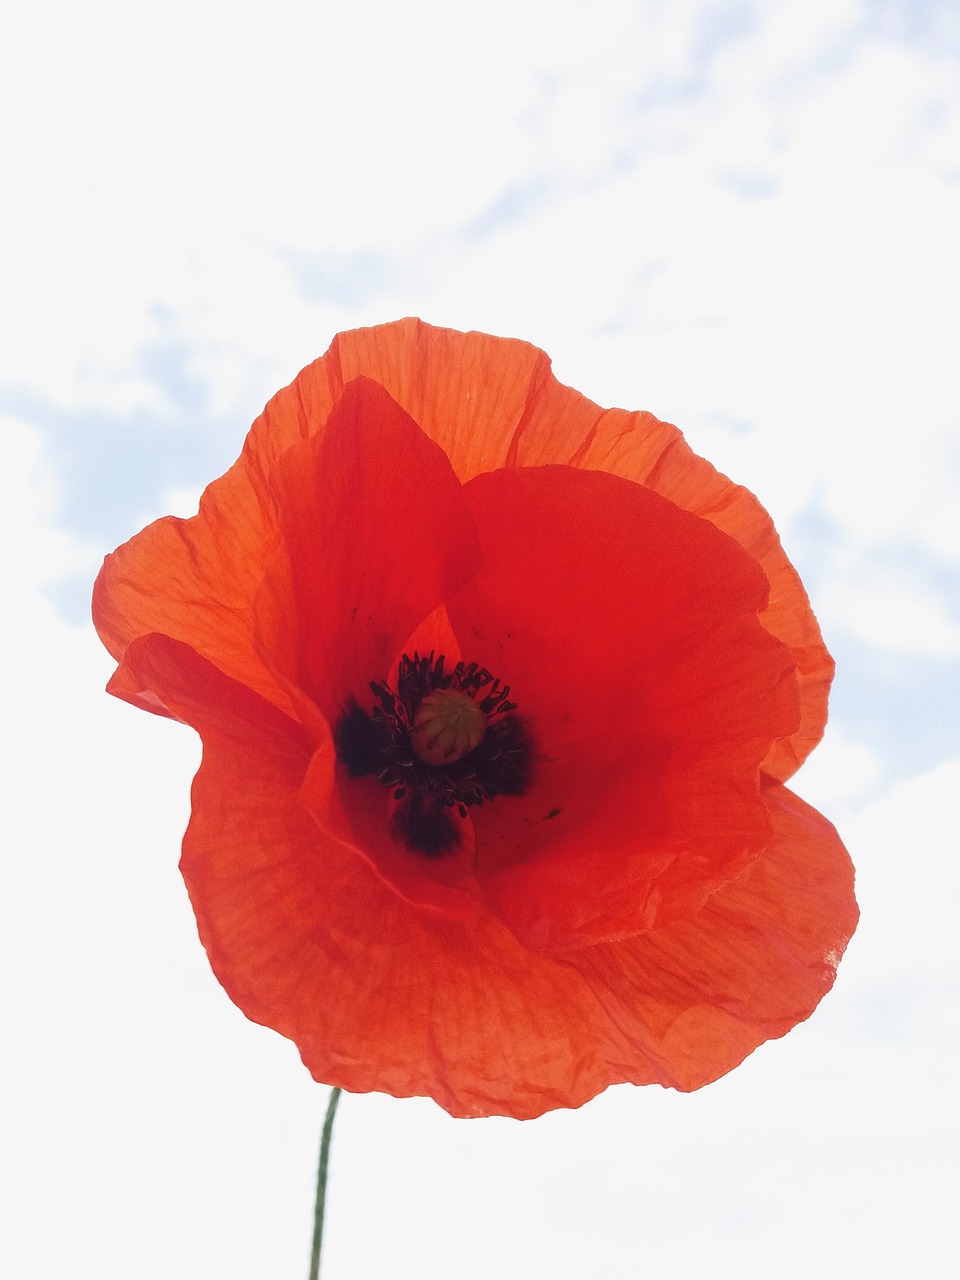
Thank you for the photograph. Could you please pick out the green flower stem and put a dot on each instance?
(322, 1183)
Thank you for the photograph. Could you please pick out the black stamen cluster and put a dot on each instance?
(378, 742)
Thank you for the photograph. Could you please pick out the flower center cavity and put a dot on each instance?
(445, 740)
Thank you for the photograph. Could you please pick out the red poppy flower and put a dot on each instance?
(497, 693)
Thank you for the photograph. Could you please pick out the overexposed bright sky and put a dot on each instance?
(741, 216)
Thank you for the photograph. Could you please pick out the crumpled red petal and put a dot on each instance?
(374, 534)
(195, 580)
(379, 996)
(489, 402)
(629, 629)
(525, 417)
(756, 961)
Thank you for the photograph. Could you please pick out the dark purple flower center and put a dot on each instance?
(388, 742)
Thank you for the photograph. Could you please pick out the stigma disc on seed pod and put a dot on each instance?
(447, 726)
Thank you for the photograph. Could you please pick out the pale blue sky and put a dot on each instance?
(739, 216)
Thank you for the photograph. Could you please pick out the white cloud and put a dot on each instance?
(891, 609)
(838, 776)
(910, 874)
(34, 550)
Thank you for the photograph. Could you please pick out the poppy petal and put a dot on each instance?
(665, 463)
(489, 402)
(378, 996)
(166, 676)
(358, 813)
(194, 580)
(468, 391)
(496, 403)
(307, 939)
(755, 962)
(652, 691)
(375, 534)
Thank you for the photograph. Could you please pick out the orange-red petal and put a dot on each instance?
(653, 453)
(756, 961)
(374, 535)
(627, 630)
(195, 580)
(358, 813)
(378, 996)
(496, 403)
(489, 402)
